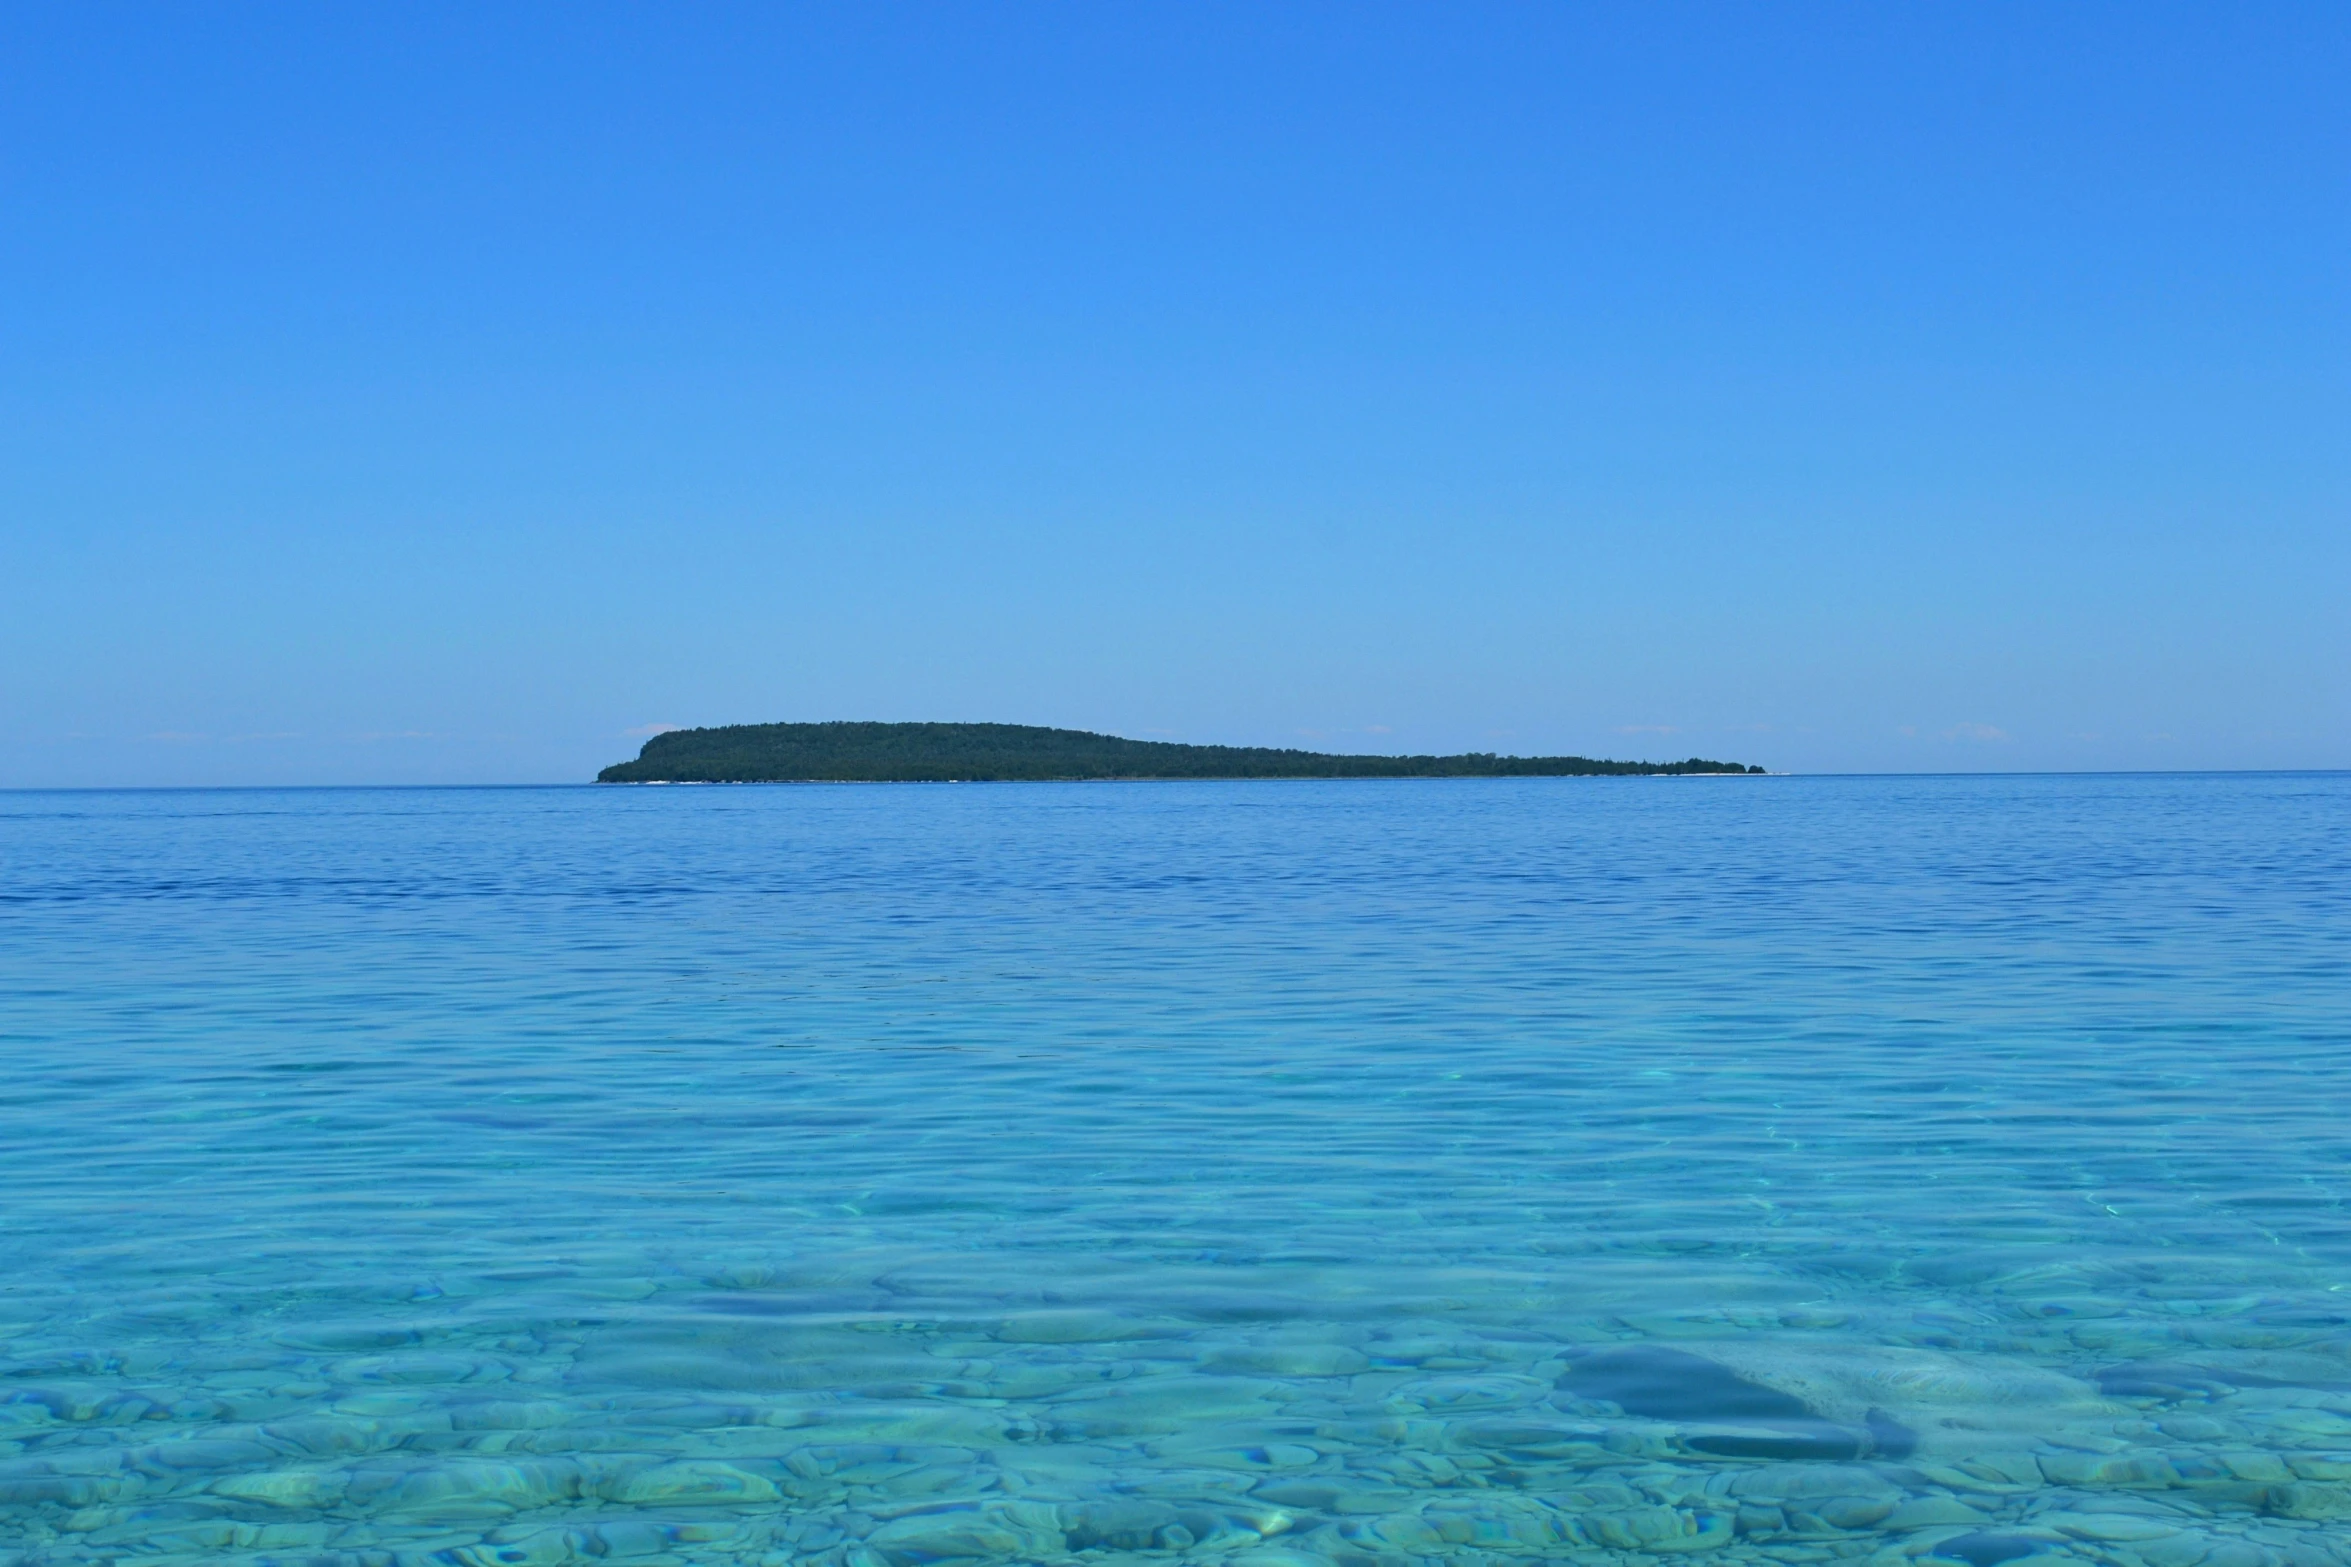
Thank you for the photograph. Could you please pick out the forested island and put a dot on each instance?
(976, 753)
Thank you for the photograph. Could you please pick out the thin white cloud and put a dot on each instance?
(1981, 733)
(649, 730)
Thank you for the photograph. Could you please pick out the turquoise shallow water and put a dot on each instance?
(1947, 1171)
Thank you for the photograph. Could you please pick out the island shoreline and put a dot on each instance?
(859, 752)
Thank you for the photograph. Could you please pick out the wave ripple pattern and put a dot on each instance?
(1946, 1172)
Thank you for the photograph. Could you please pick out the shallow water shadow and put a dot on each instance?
(1657, 1383)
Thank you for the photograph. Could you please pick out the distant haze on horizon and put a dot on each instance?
(440, 393)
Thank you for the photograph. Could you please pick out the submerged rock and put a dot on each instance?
(539, 1548)
(1671, 1384)
(2312, 1499)
(1005, 1532)
(1932, 1512)
(1671, 1530)
(1074, 1327)
(1733, 1416)
(2216, 1372)
(1290, 1360)
(1133, 1525)
(290, 1488)
(2109, 1528)
(1988, 1550)
(2134, 1471)
(2156, 1379)
(1921, 1401)
(693, 1483)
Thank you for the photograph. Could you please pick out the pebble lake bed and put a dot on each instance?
(1949, 1171)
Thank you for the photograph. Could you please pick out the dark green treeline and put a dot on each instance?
(950, 753)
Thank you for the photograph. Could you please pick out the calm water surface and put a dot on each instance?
(1947, 1171)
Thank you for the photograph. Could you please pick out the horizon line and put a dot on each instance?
(2047, 772)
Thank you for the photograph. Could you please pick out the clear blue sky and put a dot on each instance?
(414, 392)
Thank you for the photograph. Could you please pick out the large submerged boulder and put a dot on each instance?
(1725, 1414)
(1773, 1399)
